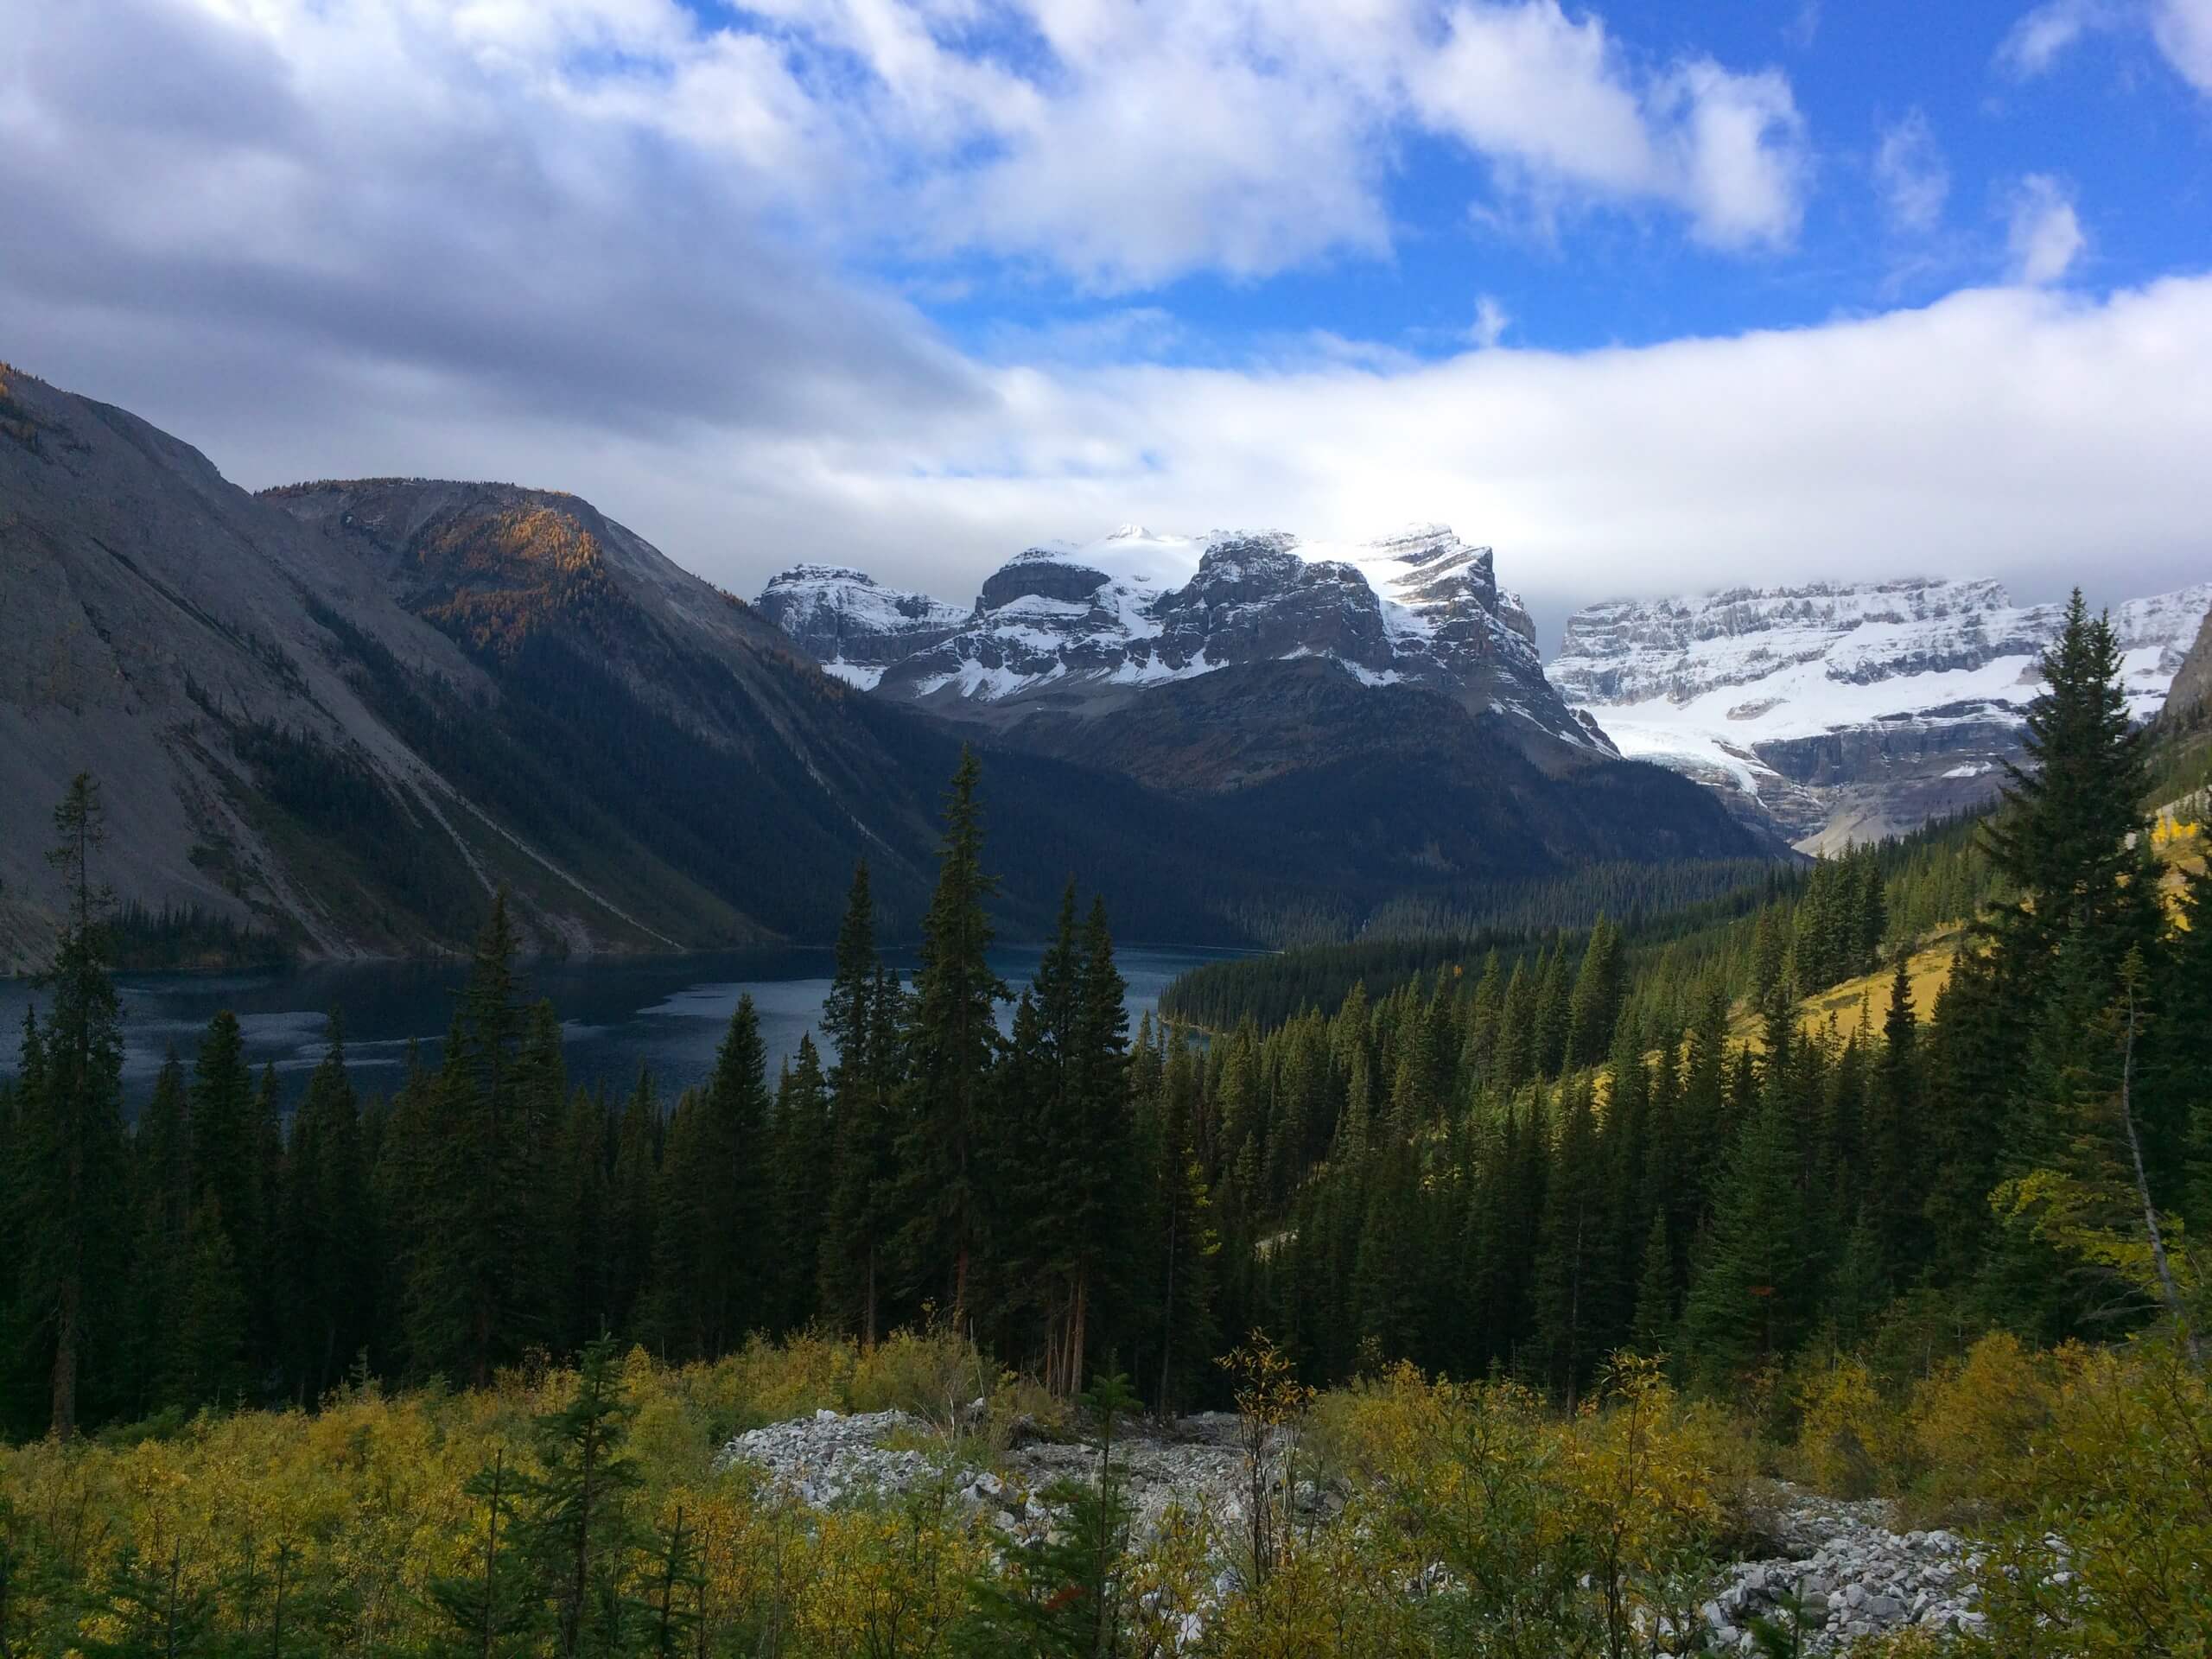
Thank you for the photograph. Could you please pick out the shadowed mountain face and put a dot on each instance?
(348, 712)
(2190, 700)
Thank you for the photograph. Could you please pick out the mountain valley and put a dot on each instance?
(345, 713)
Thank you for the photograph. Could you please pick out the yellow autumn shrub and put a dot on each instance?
(1975, 1423)
(1853, 1441)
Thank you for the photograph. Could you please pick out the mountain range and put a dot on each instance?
(345, 712)
(1068, 648)
(1844, 712)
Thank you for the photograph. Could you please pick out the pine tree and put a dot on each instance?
(1571, 1276)
(580, 1182)
(2068, 842)
(952, 1041)
(1653, 1324)
(1747, 1297)
(70, 1194)
(1551, 1013)
(330, 1233)
(489, 1606)
(630, 1192)
(732, 1207)
(802, 1168)
(206, 1364)
(475, 1286)
(861, 1018)
(1594, 1005)
(578, 1531)
(162, 1194)
(1893, 1179)
(671, 1317)
(226, 1151)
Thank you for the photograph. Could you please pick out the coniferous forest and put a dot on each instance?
(1569, 1226)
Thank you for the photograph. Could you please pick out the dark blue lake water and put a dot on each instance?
(617, 1015)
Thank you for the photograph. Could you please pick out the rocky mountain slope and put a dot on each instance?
(2189, 700)
(1065, 634)
(347, 712)
(1841, 712)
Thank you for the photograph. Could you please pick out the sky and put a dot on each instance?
(1653, 298)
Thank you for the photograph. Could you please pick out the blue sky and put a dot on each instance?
(1652, 297)
(2125, 137)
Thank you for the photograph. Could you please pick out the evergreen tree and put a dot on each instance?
(330, 1233)
(581, 1183)
(803, 1170)
(631, 1190)
(861, 1018)
(1747, 1298)
(1653, 1324)
(731, 1207)
(489, 1606)
(578, 1531)
(161, 1193)
(475, 1289)
(1893, 1179)
(70, 1191)
(1551, 1013)
(952, 1041)
(671, 1317)
(2068, 843)
(1571, 1277)
(1594, 1005)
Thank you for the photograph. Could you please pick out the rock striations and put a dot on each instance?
(1842, 712)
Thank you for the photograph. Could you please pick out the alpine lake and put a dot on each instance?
(619, 1014)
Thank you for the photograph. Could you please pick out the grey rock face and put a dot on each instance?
(1842, 712)
(1089, 630)
(836, 613)
(2190, 699)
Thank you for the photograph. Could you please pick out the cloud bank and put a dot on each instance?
(592, 244)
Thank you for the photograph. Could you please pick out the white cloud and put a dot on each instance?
(2184, 31)
(2044, 35)
(1909, 171)
(1552, 103)
(1123, 145)
(1491, 320)
(2181, 29)
(401, 237)
(2044, 234)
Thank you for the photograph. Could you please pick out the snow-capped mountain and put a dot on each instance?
(1080, 630)
(851, 625)
(1842, 711)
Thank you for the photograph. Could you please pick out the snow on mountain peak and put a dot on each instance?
(1846, 708)
(1138, 606)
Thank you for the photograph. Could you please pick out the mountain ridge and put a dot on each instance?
(1844, 711)
(347, 711)
(1088, 632)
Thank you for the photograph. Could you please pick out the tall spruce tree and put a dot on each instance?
(475, 1288)
(72, 1184)
(862, 1018)
(952, 1041)
(1748, 1298)
(801, 1174)
(731, 1210)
